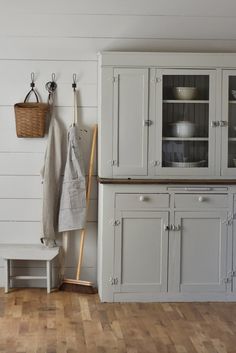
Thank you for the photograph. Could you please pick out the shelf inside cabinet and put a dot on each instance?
(186, 139)
(181, 101)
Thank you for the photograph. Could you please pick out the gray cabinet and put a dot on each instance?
(166, 244)
(130, 122)
(140, 251)
(228, 123)
(198, 252)
(160, 118)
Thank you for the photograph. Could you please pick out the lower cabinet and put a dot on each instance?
(152, 247)
(198, 252)
(141, 251)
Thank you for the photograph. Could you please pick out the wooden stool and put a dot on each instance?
(27, 252)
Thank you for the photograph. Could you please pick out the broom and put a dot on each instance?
(77, 285)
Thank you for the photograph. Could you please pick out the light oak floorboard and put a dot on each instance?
(31, 321)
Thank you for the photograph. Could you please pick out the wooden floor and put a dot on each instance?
(32, 321)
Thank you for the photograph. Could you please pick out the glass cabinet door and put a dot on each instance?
(228, 123)
(185, 121)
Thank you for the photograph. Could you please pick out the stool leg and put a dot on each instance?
(6, 265)
(48, 276)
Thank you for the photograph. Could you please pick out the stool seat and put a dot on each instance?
(27, 252)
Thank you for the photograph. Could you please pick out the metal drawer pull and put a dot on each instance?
(198, 189)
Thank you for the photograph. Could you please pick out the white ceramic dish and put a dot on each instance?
(233, 92)
(183, 129)
(185, 93)
(186, 164)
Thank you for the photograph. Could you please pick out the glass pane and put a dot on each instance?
(185, 127)
(232, 123)
(185, 154)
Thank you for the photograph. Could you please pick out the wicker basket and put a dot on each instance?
(31, 117)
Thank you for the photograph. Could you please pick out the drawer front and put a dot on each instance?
(141, 201)
(201, 201)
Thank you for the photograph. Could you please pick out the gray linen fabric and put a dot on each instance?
(51, 172)
(72, 213)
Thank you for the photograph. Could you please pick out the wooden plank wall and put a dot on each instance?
(63, 37)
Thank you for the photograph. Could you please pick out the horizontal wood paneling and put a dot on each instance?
(20, 232)
(73, 49)
(107, 26)
(31, 210)
(29, 187)
(127, 7)
(20, 163)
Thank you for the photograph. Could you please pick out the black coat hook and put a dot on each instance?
(74, 85)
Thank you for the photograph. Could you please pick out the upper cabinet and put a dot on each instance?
(183, 138)
(130, 122)
(167, 115)
(228, 123)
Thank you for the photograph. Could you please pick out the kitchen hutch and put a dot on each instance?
(167, 167)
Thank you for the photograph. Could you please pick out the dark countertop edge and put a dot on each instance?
(168, 181)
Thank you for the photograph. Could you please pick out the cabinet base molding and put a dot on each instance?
(172, 297)
(168, 181)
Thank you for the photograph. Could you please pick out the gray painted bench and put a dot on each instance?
(27, 252)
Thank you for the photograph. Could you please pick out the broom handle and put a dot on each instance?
(88, 193)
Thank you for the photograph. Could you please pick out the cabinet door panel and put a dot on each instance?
(200, 248)
(130, 134)
(228, 123)
(141, 251)
(185, 116)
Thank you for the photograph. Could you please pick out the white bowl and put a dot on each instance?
(185, 93)
(183, 129)
(233, 92)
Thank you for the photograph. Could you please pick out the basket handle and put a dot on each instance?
(29, 93)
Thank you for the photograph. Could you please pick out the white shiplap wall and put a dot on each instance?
(64, 37)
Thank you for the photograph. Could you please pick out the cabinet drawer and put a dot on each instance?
(141, 201)
(201, 201)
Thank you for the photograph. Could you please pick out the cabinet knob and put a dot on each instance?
(201, 199)
(142, 198)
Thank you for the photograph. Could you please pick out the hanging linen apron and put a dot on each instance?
(72, 212)
(51, 173)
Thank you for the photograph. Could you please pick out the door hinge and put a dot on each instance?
(113, 281)
(158, 79)
(115, 222)
(229, 219)
(113, 162)
(148, 122)
(115, 79)
(155, 163)
(228, 278)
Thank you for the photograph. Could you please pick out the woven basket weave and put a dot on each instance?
(30, 117)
